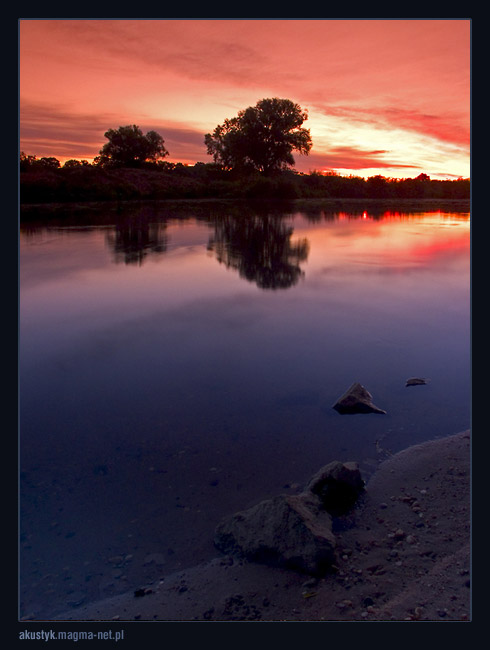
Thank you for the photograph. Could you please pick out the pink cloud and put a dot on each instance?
(451, 127)
(49, 131)
(352, 158)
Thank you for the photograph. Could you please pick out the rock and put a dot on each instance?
(154, 558)
(290, 531)
(356, 400)
(416, 381)
(338, 485)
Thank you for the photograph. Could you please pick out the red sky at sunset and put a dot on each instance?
(388, 97)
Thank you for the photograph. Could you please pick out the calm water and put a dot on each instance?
(180, 363)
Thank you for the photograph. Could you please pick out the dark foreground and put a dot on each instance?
(403, 555)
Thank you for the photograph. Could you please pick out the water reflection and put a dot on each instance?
(158, 397)
(260, 249)
(131, 241)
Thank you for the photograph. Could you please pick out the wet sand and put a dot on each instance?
(403, 555)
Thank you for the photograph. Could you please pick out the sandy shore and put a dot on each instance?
(403, 555)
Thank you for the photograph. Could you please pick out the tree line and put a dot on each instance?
(252, 158)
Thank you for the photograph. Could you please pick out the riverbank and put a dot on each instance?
(41, 183)
(403, 554)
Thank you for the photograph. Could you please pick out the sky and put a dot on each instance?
(389, 97)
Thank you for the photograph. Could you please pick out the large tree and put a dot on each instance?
(261, 137)
(129, 147)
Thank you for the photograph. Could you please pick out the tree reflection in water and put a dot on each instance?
(259, 247)
(132, 240)
(256, 244)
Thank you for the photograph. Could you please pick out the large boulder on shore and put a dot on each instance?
(338, 485)
(294, 531)
(356, 399)
(289, 531)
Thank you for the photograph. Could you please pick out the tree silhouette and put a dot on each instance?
(128, 147)
(261, 137)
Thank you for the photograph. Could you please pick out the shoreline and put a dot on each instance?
(400, 557)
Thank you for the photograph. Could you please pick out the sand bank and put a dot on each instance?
(403, 554)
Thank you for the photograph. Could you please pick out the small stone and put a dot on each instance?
(310, 583)
(76, 599)
(416, 381)
(154, 558)
(383, 506)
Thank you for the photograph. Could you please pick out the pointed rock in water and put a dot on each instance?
(356, 400)
(416, 381)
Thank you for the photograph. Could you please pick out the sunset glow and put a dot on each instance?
(389, 97)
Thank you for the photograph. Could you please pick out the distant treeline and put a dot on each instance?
(44, 180)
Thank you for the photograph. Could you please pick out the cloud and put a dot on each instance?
(61, 132)
(451, 127)
(354, 158)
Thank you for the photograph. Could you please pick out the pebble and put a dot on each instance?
(154, 558)
(310, 583)
(76, 599)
